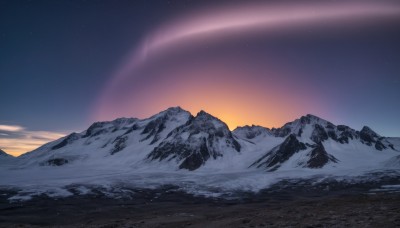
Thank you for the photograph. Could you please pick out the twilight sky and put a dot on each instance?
(65, 64)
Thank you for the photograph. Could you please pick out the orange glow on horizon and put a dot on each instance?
(27, 141)
(222, 93)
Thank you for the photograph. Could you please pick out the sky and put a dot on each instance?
(66, 64)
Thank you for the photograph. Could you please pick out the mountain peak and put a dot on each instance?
(3, 153)
(202, 138)
(174, 110)
(309, 118)
(203, 113)
(313, 116)
(368, 135)
(369, 131)
(204, 118)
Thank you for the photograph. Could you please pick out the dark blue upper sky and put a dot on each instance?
(55, 56)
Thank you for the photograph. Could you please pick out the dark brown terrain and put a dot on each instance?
(181, 210)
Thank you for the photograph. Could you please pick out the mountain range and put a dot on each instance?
(176, 140)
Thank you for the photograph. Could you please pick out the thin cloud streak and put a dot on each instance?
(16, 140)
(12, 128)
(262, 16)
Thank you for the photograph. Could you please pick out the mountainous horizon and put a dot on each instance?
(176, 138)
(273, 130)
(174, 144)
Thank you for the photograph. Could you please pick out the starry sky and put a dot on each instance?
(65, 64)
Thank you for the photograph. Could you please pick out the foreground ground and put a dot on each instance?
(180, 210)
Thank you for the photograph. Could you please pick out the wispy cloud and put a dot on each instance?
(17, 140)
(12, 128)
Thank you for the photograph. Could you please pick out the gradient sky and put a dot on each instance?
(66, 64)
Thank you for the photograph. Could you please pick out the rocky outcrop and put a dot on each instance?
(280, 154)
(119, 144)
(318, 157)
(56, 162)
(191, 145)
(152, 130)
(318, 134)
(67, 140)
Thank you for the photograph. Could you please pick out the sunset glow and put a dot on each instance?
(16, 140)
(194, 62)
(68, 64)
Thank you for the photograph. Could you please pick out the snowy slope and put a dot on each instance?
(174, 139)
(4, 157)
(3, 154)
(6, 160)
(198, 153)
(395, 141)
(122, 142)
(312, 142)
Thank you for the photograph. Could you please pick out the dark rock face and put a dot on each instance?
(379, 145)
(195, 160)
(278, 155)
(368, 136)
(192, 158)
(300, 132)
(345, 133)
(69, 139)
(319, 134)
(319, 157)
(332, 135)
(119, 144)
(56, 162)
(131, 129)
(105, 127)
(251, 135)
(281, 132)
(195, 142)
(94, 129)
(153, 128)
(158, 123)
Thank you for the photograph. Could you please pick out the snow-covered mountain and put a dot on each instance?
(311, 142)
(174, 139)
(200, 155)
(3, 154)
(122, 142)
(6, 160)
(201, 138)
